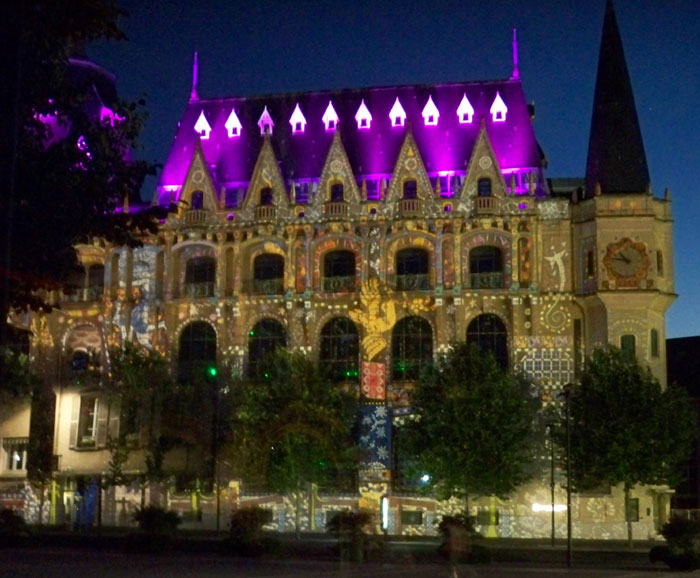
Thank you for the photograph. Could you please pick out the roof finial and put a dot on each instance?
(195, 66)
(516, 72)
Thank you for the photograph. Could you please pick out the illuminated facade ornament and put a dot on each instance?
(397, 114)
(430, 113)
(265, 122)
(233, 125)
(465, 111)
(107, 114)
(297, 120)
(202, 126)
(363, 117)
(330, 117)
(498, 109)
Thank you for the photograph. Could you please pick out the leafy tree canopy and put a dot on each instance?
(624, 427)
(473, 425)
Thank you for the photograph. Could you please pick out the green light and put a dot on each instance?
(267, 375)
(212, 371)
(252, 333)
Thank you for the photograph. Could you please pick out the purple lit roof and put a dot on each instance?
(445, 147)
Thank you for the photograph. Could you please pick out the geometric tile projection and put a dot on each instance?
(549, 366)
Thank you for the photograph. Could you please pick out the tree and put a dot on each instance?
(65, 171)
(473, 425)
(625, 428)
(293, 428)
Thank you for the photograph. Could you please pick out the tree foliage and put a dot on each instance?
(625, 428)
(294, 427)
(473, 426)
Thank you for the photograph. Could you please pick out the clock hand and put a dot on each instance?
(620, 257)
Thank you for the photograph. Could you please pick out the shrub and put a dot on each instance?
(682, 551)
(12, 524)
(350, 530)
(457, 534)
(157, 520)
(246, 533)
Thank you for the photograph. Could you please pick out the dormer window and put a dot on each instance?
(483, 187)
(266, 196)
(337, 193)
(265, 122)
(330, 117)
(397, 114)
(498, 109)
(430, 113)
(465, 111)
(410, 189)
(297, 120)
(363, 116)
(202, 126)
(233, 125)
(197, 200)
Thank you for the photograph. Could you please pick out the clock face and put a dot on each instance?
(627, 262)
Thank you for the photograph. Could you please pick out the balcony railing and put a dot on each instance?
(265, 212)
(339, 284)
(486, 204)
(197, 290)
(410, 207)
(85, 294)
(195, 216)
(335, 210)
(267, 286)
(492, 280)
(417, 282)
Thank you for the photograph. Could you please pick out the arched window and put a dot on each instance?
(266, 196)
(412, 270)
(266, 336)
(197, 200)
(339, 271)
(488, 332)
(337, 193)
(80, 361)
(197, 350)
(96, 281)
(654, 343)
(410, 189)
(411, 347)
(340, 349)
(268, 274)
(200, 277)
(483, 187)
(485, 268)
(628, 345)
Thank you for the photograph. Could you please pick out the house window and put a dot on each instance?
(590, 264)
(266, 336)
(654, 343)
(411, 517)
(197, 200)
(337, 193)
(410, 189)
(96, 281)
(15, 454)
(268, 274)
(487, 517)
(200, 277)
(632, 510)
(80, 361)
(197, 350)
(266, 196)
(488, 333)
(628, 345)
(412, 270)
(485, 268)
(330, 125)
(659, 263)
(483, 187)
(411, 347)
(87, 420)
(340, 349)
(339, 271)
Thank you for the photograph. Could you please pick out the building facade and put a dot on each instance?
(371, 229)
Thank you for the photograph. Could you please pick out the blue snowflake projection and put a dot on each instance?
(375, 436)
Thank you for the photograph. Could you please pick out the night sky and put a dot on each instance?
(265, 46)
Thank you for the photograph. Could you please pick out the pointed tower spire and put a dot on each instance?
(195, 74)
(516, 72)
(616, 157)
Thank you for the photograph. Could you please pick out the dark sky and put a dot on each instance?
(266, 46)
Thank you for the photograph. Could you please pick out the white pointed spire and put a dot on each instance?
(516, 72)
(397, 114)
(265, 122)
(330, 117)
(430, 112)
(297, 120)
(465, 111)
(363, 116)
(233, 125)
(498, 109)
(202, 126)
(195, 75)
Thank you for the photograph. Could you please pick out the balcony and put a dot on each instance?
(410, 207)
(195, 216)
(267, 286)
(416, 282)
(336, 210)
(493, 280)
(198, 290)
(486, 204)
(339, 284)
(265, 212)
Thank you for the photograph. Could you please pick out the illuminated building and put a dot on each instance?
(371, 228)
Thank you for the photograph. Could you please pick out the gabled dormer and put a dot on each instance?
(198, 197)
(484, 188)
(266, 197)
(410, 193)
(338, 194)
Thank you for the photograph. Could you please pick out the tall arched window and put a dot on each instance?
(266, 197)
(340, 349)
(339, 271)
(410, 189)
(197, 350)
(268, 274)
(412, 271)
(337, 194)
(197, 200)
(411, 347)
(485, 268)
(489, 333)
(483, 187)
(628, 345)
(200, 277)
(266, 336)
